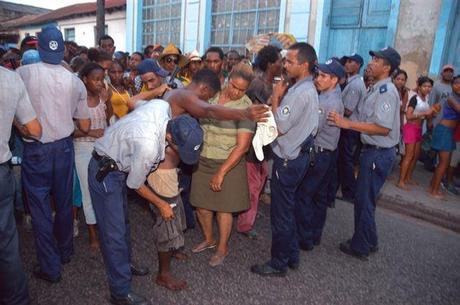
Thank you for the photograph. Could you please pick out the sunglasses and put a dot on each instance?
(172, 59)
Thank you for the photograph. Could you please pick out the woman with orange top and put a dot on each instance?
(120, 94)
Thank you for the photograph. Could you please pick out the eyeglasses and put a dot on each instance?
(172, 59)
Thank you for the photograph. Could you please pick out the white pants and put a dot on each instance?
(83, 152)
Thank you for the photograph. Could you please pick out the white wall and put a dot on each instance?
(84, 29)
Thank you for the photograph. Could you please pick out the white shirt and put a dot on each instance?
(137, 141)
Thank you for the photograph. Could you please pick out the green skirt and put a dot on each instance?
(234, 196)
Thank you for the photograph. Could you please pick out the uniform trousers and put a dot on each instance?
(48, 168)
(185, 184)
(257, 176)
(110, 202)
(286, 184)
(311, 210)
(348, 145)
(13, 283)
(374, 168)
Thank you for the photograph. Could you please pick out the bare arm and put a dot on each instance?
(164, 208)
(411, 116)
(147, 95)
(242, 146)
(453, 104)
(83, 124)
(367, 128)
(31, 129)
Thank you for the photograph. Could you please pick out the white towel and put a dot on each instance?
(266, 133)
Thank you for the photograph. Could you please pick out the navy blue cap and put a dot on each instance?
(389, 54)
(151, 65)
(51, 45)
(356, 58)
(332, 66)
(188, 136)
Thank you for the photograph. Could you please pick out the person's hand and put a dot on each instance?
(104, 95)
(97, 133)
(166, 212)
(216, 182)
(279, 89)
(338, 120)
(257, 113)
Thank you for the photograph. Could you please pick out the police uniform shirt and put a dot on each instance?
(137, 141)
(381, 107)
(328, 134)
(14, 102)
(353, 95)
(296, 119)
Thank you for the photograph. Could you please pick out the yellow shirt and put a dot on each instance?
(219, 138)
(119, 102)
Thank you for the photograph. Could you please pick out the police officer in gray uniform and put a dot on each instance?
(379, 127)
(353, 95)
(311, 213)
(296, 115)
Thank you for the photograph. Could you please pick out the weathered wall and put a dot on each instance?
(417, 23)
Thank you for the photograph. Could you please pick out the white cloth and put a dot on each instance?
(266, 133)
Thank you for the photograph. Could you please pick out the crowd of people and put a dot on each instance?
(197, 136)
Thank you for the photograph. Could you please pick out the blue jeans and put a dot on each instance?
(374, 168)
(13, 283)
(286, 184)
(348, 145)
(311, 208)
(48, 168)
(110, 203)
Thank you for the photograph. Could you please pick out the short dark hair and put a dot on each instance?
(424, 79)
(400, 71)
(207, 77)
(243, 71)
(454, 79)
(103, 56)
(233, 51)
(147, 48)
(138, 53)
(106, 37)
(305, 53)
(268, 54)
(88, 68)
(215, 50)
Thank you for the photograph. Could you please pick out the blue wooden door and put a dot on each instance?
(357, 26)
(453, 53)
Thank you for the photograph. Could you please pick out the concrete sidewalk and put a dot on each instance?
(416, 202)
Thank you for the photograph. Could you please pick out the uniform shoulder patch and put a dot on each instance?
(383, 88)
(285, 111)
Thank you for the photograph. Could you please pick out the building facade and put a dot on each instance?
(425, 32)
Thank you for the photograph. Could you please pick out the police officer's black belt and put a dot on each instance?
(368, 146)
(5, 163)
(319, 149)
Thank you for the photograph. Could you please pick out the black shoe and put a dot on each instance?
(66, 260)
(317, 242)
(139, 271)
(294, 266)
(267, 270)
(306, 247)
(346, 199)
(131, 299)
(345, 247)
(39, 274)
(372, 250)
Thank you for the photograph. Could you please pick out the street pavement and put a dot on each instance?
(418, 263)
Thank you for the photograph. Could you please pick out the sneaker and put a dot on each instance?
(76, 232)
(451, 189)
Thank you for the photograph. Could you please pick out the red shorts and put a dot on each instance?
(412, 133)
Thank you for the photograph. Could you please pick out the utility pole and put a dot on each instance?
(100, 19)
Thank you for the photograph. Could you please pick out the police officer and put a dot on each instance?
(311, 209)
(14, 103)
(379, 127)
(129, 150)
(296, 116)
(352, 95)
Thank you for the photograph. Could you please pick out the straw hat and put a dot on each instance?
(194, 56)
(171, 49)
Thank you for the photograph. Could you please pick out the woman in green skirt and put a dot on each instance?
(219, 185)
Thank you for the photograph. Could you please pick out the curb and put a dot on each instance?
(419, 210)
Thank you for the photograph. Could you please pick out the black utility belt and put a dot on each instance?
(106, 165)
(7, 163)
(368, 146)
(319, 149)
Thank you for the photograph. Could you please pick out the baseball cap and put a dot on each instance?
(332, 66)
(447, 67)
(389, 54)
(30, 41)
(151, 65)
(188, 136)
(355, 57)
(51, 45)
(30, 57)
